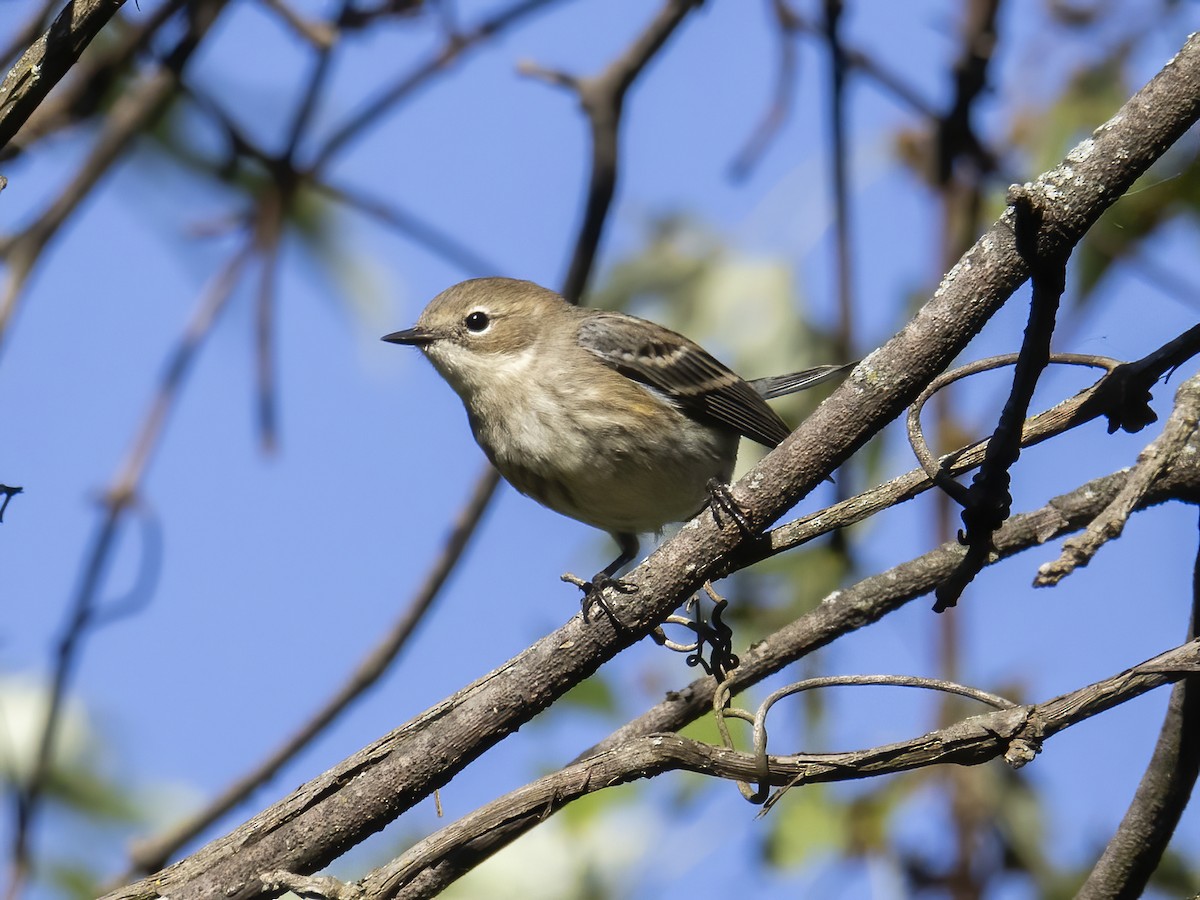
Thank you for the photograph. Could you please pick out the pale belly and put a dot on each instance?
(618, 477)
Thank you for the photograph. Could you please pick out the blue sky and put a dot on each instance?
(278, 572)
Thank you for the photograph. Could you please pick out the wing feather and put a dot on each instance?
(684, 371)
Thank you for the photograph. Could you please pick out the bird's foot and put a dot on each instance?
(720, 500)
(593, 593)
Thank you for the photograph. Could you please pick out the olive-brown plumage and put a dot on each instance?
(601, 416)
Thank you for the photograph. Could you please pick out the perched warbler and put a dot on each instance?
(601, 416)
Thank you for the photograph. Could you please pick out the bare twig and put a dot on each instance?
(322, 35)
(9, 492)
(1155, 459)
(268, 234)
(375, 111)
(1109, 397)
(602, 97)
(1133, 854)
(781, 102)
(989, 499)
(444, 245)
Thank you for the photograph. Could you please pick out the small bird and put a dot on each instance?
(604, 417)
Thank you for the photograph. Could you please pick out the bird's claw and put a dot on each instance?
(593, 592)
(720, 499)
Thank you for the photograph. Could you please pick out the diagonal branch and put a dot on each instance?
(44, 64)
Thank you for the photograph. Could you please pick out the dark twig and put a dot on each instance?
(375, 111)
(781, 103)
(1152, 462)
(1125, 867)
(317, 80)
(321, 35)
(715, 634)
(840, 153)
(268, 234)
(989, 499)
(1107, 398)
(939, 471)
(602, 97)
(9, 493)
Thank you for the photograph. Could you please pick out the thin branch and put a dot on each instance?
(781, 102)
(375, 111)
(602, 97)
(1152, 462)
(9, 492)
(268, 234)
(1109, 398)
(989, 499)
(1134, 851)
(322, 35)
(318, 79)
(420, 232)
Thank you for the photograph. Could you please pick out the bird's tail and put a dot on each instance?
(778, 385)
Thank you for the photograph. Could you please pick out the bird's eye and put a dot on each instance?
(477, 321)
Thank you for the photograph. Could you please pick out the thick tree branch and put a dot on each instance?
(44, 64)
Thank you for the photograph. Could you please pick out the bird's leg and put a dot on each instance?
(593, 590)
(720, 499)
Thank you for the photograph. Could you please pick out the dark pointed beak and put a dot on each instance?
(416, 337)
